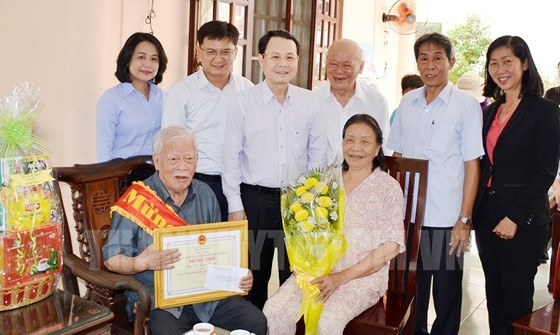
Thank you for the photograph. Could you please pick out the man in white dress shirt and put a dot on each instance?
(344, 96)
(199, 101)
(274, 134)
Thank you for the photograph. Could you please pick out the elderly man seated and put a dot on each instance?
(130, 249)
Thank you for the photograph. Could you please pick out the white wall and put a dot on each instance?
(69, 48)
(393, 54)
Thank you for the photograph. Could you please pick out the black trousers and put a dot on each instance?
(509, 267)
(231, 313)
(262, 207)
(446, 272)
(215, 183)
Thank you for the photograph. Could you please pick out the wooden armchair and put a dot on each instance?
(94, 189)
(396, 316)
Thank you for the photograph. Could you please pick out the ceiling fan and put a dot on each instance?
(407, 17)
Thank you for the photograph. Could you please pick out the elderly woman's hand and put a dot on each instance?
(329, 284)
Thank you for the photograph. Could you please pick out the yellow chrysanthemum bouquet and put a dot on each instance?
(312, 212)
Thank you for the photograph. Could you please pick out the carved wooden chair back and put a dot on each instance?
(94, 189)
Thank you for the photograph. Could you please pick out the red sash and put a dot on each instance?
(140, 204)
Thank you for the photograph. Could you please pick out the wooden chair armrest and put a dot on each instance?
(114, 281)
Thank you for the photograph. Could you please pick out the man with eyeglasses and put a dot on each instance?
(200, 100)
(344, 96)
(274, 134)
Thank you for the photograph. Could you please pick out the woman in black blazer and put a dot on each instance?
(521, 141)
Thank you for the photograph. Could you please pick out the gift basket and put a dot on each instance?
(312, 211)
(30, 212)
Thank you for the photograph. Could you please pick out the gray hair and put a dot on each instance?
(170, 133)
(437, 39)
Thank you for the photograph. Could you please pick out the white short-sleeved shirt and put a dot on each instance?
(447, 132)
(195, 103)
(366, 100)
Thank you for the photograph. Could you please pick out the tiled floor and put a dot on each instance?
(474, 315)
(473, 312)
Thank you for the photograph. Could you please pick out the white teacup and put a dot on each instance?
(203, 329)
(43, 265)
(240, 332)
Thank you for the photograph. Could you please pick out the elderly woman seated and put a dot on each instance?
(373, 226)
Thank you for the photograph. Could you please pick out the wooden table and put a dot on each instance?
(61, 313)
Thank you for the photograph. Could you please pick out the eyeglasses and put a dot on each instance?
(214, 53)
(276, 58)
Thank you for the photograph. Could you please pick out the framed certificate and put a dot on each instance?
(223, 243)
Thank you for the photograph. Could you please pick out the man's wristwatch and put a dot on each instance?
(465, 220)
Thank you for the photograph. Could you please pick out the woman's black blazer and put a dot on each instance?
(525, 162)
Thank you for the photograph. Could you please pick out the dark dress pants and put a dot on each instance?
(262, 207)
(215, 183)
(509, 266)
(231, 313)
(446, 272)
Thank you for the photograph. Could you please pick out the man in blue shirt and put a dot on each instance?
(439, 123)
(130, 249)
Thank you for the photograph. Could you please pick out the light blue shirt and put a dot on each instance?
(270, 144)
(195, 103)
(126, 122)
(447, 132)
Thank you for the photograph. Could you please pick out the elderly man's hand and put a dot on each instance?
(460, 238)
(152, 259)
(237, 216)
(246, 282)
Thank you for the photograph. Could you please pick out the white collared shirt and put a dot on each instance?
(447, 132)
(366, 100)
(270, 144)
(195, 103)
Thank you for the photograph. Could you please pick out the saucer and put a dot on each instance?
(191, 332)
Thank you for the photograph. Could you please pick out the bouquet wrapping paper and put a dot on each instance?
(312, 212)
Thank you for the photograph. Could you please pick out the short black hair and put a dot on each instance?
(263, 41)
(217, 30)
(125, 55)
(531, 82)
(379, 160)
(437, 39)
(411, 81)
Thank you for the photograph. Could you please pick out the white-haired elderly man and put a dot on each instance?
(130, 249)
